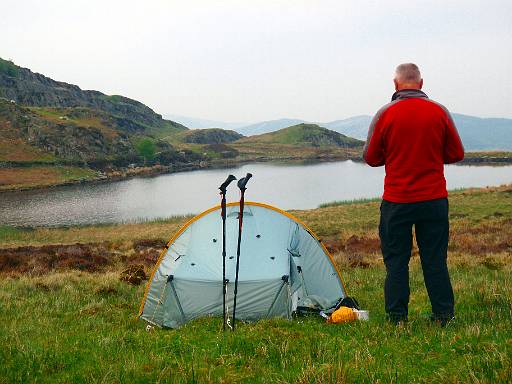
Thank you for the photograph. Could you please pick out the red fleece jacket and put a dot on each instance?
(413, 137)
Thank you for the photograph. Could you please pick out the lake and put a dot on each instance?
(283, 185)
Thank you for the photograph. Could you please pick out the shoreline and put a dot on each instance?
(158, 170)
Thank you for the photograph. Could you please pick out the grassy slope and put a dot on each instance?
(205, 136)
(42, 176)
(56, 115)
(13, 148)
(299, 142)
(79, 327)
(18, 150)
(300, 134)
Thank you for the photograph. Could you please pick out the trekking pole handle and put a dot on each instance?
(243, 181)
(225, 184)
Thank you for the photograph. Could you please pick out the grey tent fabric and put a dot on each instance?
(282, 265)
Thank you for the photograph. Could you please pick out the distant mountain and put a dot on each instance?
(196, 123)
(305, 135)
(484, 134)
(356, 126)
(207, 136)
(267, 126)
(477, 134)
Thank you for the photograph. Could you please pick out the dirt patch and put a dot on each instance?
(354, 245)
(41, 260)
(146, 251)
(333, 245)
(479, 245)
(484, 239)
(90, 257)
(143, 244)
(134, 274)
(355, 252)
(362, 245)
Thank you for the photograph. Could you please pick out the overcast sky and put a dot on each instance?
(260, 60)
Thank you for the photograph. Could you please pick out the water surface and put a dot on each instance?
(283, 185)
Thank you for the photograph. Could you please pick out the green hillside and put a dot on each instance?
(27, 88)
(81, 135)
(310, 135)
(52, 132)
(207, 136)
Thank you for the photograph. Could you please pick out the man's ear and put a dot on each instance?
(396, 84)
(421, 83)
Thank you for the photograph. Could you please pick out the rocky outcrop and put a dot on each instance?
(69, 137)
(33, 89)
(210, 136)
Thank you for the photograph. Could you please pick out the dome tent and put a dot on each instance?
(283, 264)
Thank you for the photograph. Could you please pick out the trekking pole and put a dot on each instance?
(223, 188)
(241, 184)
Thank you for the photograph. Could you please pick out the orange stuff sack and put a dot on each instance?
(342, 315)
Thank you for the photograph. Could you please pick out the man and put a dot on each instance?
(413, 137)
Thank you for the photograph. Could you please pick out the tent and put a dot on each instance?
(283, 264)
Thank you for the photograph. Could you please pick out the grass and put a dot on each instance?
(489, 154)
(17, 150)
(78, 327)
(348, 202)
(305, 135)
(80, 117)
(41, 176)
(72, 326)
(13, 148)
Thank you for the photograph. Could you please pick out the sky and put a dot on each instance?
(247, 61)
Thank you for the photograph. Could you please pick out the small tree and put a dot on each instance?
(146, 149)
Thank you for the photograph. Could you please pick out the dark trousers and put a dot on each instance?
(430, 220)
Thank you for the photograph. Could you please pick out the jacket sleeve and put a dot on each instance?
(453, 148)
(373, 152)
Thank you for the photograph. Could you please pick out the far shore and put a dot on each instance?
(472, 158)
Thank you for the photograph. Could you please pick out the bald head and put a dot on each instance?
(408, 76)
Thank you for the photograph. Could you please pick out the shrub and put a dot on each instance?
(146, 149)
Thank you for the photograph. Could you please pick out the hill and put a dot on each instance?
(54, 133)
(305, 135)
(34, 134)
(484, 134)
(267, 126)
(33, 89)
(477, 134)
(49, 121)
(207, 136)
(356, 127)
